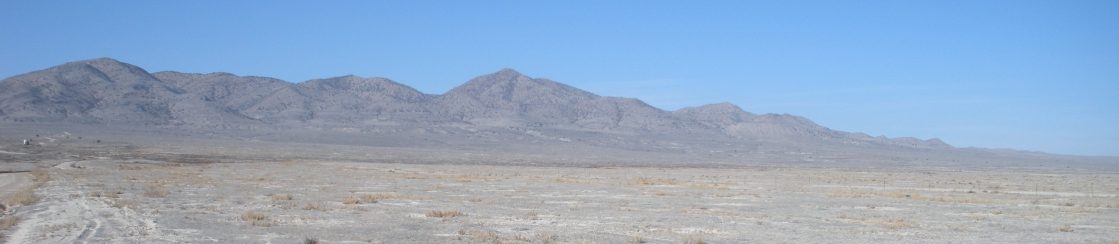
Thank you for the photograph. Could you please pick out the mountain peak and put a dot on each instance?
(89, 90)
(102, 60)
(351, 82)
(510, 85)
(368, 89)
(508, 72)
(723, 107)
(351, 78)
(97, 62)
(722, 114)
(112, 68)
(502, 75)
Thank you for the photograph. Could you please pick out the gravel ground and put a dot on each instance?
(104, 200)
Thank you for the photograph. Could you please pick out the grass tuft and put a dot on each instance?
(156, 191)
(374, 198)
(106, 194)
(40, 176)
(694, 240)
(8, 222)
(654, 181)
(314, 206)
(282, 197)
(444, 213)
(1065, 228)
(547, 237)
(23, 197)
(351, 200)
(638, 240)
(255, 218)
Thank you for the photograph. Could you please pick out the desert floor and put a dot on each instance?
(101, 200)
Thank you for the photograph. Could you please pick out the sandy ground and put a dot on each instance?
(143, 201)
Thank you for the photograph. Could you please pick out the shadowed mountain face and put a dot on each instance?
(505, 104)
(352, 99)
(216, 99)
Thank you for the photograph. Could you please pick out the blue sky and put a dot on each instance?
(1032, 75)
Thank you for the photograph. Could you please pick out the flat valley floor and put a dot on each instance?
(150, 201)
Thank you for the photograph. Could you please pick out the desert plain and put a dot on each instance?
(117, 192)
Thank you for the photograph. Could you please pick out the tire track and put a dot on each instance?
(90, 229)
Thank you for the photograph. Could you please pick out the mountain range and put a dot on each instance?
(505, 106)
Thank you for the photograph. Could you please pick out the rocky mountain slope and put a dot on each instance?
(505, 104)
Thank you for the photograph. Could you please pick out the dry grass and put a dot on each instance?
(869, 194)
(894, 224)
(444, 213)
(8, 222)
(105, 194)
(569, 179)
(694, 240)
(547, 237)
(655, 181)
(638, 240)
(124, 203)
(130, 167)
(532, 215)
(255, 218)
(716, 186)
(487, 236)
(27, 196)
(23, 197)
(285, 205)
(1065, 228)
(471, 178)
(481, 235)
(889, 223)
(310, 240)
(156, 191)
(262, 178)
(282, 197)
(946, 198)
(191, 176)
(40, 176)
(520, 238)
(369, 198)
(351, 200)
(314, 206)
(374, 198)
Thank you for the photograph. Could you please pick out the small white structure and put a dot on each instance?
(26, 142)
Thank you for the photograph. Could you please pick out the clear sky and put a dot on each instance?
(1032, 75)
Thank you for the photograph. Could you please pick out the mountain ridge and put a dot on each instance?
(105, 90)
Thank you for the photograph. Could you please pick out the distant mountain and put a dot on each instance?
(356, 100)
(505, 104)
(88, 91)
(216, 98)
(508, 98)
